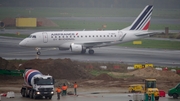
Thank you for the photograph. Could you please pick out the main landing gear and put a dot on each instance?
(91, 51)
(83, 51)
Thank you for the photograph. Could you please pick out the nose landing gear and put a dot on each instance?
(38, 51)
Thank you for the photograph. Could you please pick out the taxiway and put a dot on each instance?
(10, 49)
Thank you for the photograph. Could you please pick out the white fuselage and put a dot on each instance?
(63, 39)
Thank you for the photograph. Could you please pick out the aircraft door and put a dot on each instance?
(45, 37)
(121, 35)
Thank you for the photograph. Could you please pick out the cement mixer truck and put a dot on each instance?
(37, 85)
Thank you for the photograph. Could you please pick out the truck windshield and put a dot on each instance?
(44, 81)
(151, 84)
(177, 86)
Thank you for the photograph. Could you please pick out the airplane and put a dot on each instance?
(80, 41)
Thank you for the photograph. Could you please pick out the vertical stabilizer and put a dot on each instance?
(142, 22)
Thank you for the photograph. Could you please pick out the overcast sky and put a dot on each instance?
(168, 4)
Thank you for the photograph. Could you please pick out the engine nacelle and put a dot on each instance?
(76, 48)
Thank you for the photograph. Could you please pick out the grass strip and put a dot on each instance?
(15, 35)
(157, 44)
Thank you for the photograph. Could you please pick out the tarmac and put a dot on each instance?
(10, 49)
(86, 97)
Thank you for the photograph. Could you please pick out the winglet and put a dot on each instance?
(142, 22)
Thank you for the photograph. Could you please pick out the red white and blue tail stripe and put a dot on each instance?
(143, 20)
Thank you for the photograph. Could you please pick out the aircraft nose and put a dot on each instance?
(22, 43)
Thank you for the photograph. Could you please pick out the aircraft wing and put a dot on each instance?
(91, 44)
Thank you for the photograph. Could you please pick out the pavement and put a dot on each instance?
(84, 96)
(159, 57)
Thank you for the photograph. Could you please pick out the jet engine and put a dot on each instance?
(76, 48)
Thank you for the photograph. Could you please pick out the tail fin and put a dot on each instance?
(143, 20)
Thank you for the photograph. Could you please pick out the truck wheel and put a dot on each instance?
(157, 98)
(23, 92)
(175, 96)
(50, 97)
(31, 94)
(34, 95)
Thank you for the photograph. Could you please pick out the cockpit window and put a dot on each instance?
(32, 36)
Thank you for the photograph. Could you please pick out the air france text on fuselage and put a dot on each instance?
(63, 36)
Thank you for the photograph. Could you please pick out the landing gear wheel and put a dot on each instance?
(38, 53)
(91, 51)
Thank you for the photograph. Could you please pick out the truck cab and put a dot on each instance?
(44, 86)
(175, 91)
(150, 88)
